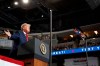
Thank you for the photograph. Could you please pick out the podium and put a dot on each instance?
(34, 53)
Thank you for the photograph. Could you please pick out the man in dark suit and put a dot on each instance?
(19, 37)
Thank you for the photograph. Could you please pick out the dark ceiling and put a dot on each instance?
(67, 14)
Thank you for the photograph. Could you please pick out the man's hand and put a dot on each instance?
(7, 32)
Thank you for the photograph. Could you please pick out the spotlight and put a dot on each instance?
(96, 32)
(16, 3)
(9, 7)
(25, 1)
(42, 15)
(93, 38)
(28, 4)
(71, 36)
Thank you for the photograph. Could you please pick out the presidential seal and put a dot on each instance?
(43, 48)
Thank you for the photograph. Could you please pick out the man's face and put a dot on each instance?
(26, 28)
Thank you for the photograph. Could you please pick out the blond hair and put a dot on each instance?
(25, 24)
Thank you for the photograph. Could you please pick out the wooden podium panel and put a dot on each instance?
(34, 62)
(40, 63)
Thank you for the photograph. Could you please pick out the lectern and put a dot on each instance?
(34, 53)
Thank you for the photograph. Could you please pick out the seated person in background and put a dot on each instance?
(19, 37)
(76, 41)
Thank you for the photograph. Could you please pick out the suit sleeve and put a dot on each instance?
(15, 36)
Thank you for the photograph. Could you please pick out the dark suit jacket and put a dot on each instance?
(18, 38)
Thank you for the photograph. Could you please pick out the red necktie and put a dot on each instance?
(27, 37)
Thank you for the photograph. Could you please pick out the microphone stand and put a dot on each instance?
(50, 47)
(86, 46)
